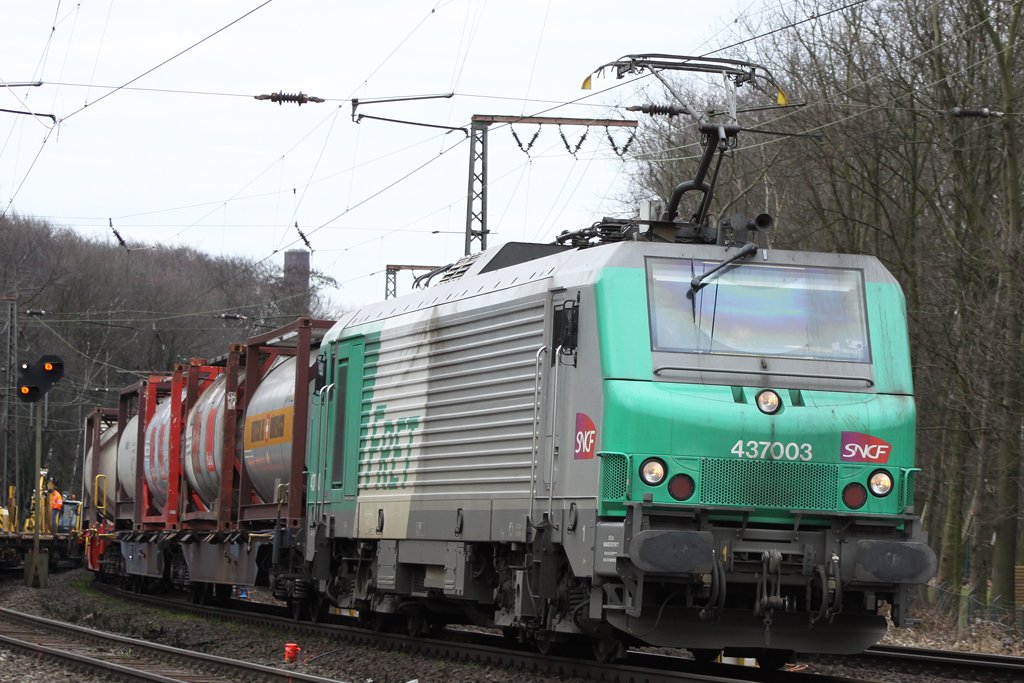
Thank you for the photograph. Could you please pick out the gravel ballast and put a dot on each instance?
(71, 596)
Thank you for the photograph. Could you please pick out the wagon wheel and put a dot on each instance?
(200, 593)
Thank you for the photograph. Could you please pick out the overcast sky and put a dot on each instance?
(185, 155)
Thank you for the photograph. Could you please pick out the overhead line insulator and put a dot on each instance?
(282, 97)
(969, 113)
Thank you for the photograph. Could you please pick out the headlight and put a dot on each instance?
(652, 472)
(880, 483)
(768, 402)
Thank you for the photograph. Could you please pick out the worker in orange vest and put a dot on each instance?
(56, 503)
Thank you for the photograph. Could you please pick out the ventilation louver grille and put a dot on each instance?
(767, 484)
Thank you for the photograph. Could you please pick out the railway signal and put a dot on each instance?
(37, 379)
(33, 383)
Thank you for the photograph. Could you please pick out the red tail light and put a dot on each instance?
(681, 487)
(854, 496)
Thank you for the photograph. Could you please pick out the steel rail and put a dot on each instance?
(946, 659)
(151, 655)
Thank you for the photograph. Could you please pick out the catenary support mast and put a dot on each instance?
(476, 197)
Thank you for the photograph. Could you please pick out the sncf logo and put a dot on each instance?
(586, 437)
(857, 447)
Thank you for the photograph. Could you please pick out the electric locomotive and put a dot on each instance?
(588, 443)
(651, 431)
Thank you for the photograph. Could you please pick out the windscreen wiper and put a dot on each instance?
(748, 249)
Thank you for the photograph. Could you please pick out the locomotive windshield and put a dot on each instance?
(800, 312)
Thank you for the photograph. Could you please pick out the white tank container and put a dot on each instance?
(127, 447)
(107, 466)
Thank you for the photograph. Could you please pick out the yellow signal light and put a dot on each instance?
(48, 366)
(24, 390)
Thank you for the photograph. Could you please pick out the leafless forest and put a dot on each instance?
(114, 314)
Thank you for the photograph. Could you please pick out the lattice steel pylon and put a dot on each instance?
(476, 196)
(391, 278)
(9, 416)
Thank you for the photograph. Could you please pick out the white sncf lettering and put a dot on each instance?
(586, 437)
(585, 441)
(871, 451)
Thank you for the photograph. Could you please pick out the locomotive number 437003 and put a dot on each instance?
(774, 450)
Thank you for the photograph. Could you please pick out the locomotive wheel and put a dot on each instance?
(373, 621)
(318, 611)
(607, 649)
(221, 593)
(546, 645)
(417, 625)
(299, 608)
(772, 660)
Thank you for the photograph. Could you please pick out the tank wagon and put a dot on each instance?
(648, 432)
(203, 470)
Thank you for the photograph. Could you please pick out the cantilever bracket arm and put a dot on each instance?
(738, 70)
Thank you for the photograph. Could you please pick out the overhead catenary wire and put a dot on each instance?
(875, 107)
(312, 172)
(99, 48)
(108, 94)
(216, 205)
(788, 26)
(168, 60)
(865, 108)
(340, 227)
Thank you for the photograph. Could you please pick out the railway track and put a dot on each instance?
(975, 666)
(483, 649)
(129, 659)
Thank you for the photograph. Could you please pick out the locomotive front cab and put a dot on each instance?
(760, 460)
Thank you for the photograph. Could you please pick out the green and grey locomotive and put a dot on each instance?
(586, 444)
